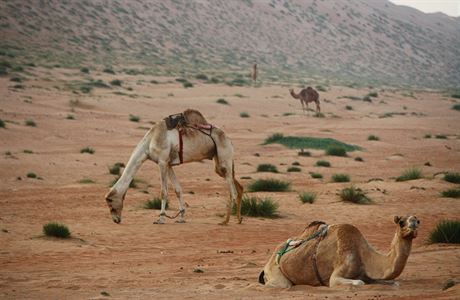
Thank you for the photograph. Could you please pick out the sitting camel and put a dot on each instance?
(306, 96)
(178, 139)
(338, 255)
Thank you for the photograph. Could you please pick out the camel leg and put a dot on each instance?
(164, 191)
(318, 108)
(178, 190)
(239, 190)
(231, 199)
(303, 107)
(337, 279)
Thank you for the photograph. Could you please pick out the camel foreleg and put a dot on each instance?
(164, 191)
(178, 190)
(338, 279)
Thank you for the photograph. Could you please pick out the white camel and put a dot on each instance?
(338, 255)
(178, 139)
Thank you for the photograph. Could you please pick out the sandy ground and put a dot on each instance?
(140, 260)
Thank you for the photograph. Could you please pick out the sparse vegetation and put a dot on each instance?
(307, 197)
(27, 151)
(308, 142)
(87, 150)
(187, 84)
(441, 136)
(319, 115)
(294, 169)
(86, 181)
(446, 231)
(304, 153)
(30, 123)
(269, 185)
(134, 118)
(427, 136)
(410, 174)
(115, 169)
(56, 230)
(254, 206)
(108, 70)
(116, 82)
(323, 163)
(70, 117)
(154, 203)
(452, 177)
(341, 178)
(373, 138)
(354, 195)
(222, 101)
(201, 77)
(456, 106)
(336, 151)
(316, 175)
(348, 107)
(358, 158)
(31, 175)
(2, 124)
(451, 193)
(244, 115)
(84, 70)
(267, 168)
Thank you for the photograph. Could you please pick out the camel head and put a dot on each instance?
(408, 226)
(115, 203)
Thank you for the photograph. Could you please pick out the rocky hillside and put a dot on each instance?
(354, 40)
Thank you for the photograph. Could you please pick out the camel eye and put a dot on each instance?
(401, 223)
(418, 222)
(109, 200)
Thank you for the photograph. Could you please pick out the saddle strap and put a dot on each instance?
(181, 148)
(315, 263)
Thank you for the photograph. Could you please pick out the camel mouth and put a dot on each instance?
(116, 218)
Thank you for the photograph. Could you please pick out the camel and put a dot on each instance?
(306, 96)
(338, 255)
(178, 139)
(254, 72)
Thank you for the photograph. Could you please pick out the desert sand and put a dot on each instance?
(140, 260)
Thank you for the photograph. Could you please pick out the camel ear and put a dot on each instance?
(397, 219)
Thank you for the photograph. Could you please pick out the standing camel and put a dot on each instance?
(178, 139)
(338, 255)
(306, 96)
(254, 73)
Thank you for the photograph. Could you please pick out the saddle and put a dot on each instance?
(174, 121)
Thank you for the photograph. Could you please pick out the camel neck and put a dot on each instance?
(391, 265)
(293, 94)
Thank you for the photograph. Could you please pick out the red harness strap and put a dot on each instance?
(181, 148)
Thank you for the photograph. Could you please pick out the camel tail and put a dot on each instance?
(261, 277)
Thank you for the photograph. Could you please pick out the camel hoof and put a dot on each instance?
(159, 221)
(357, 282)
(180, 221)
(240, 221)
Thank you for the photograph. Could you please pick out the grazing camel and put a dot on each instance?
(306, 96)
(178, 139)
(338, 255)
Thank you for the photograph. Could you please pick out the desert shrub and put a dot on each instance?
(304, 153)
(154, 203)
(446, 231)
(201, 77)
(348, 107)
(455, 95)
(108, 70)
(307, 197)
(238, 95)
(319, 115)
(86, 181)
(336, 151)
(267, 168)
(213, 80)
(451, 193)
(294, 169)
(244, 115)
(87, 150)
(134, 118)
(70, 117)
(27, 151)
(373, 94)
(116, 82)
(269, 185)
(296, 163)
(182, 80)
(254, 206)
(367, 98)
(341, 178)
(187, 84)
(31, 123)
(16, 79)
(56, 230)
(84, 70)
(222, 101)
(452, 177)
(410, 174)
(323, 163)
(85, 89)
(115, 169)
(456, 106)
(154, 81)
(321, 88)
(238, 82)
(354, 195)
(31, 175)
(316, 175)
(2, 124)
(427, 136)
(373, 138)
(441, 136)
(358, 158)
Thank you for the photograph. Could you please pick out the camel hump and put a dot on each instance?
(194, 117)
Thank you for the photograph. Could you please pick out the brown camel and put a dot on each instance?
(338, 255)
(178, 139)
(306, 96)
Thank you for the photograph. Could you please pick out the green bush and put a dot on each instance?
(187, 84)
(222, 101)
(16, 79)
(56, 230)
(304, 153)
(87, 150)
(294, 169)
(307, 197)
(2, 124)
(115, 169)
(27, 151)
(446, 231)
(295, 142)
(336, 151)
(373, 94)
(134, 118)
(358, 158)
(410, 174)
(70, 117)
(340, 178)
(373, 138)
(86, 181)
(323, 163)
(201, 77)
(244, 115)
(296, 163)
(451, 193)
(116, 82)
(31, 175)
(456, 106)
(316, 175)
(452, 177)
(84, 70)
(31, 123)
(267, 168)
(348, 107)
(258, 207)
(108, 70)
(155, 203)
(269, 185)
(441, 136)
(354, 195)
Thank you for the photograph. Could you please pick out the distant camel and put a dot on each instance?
(178, 139)
(254, 72)
(338, 255)
(306, 96)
